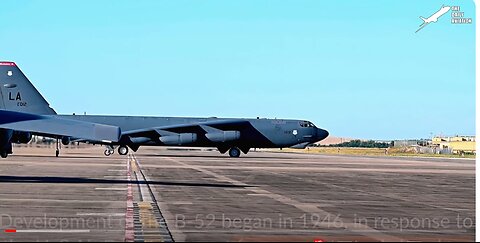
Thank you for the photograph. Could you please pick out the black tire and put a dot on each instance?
(107, 152)
(234, 152)
(4, 154)
(123, 150)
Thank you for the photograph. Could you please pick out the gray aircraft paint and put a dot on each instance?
(18, 94)
(279, 132)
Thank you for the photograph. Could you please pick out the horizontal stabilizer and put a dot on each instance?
(57, 127)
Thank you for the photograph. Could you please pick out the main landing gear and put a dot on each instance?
(234, 152)
(6, 150)
(4, 154)
(122, 150)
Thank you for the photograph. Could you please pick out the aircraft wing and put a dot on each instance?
(200, 127)
(216, 131)
(54, 127)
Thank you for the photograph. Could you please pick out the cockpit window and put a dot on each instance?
(306, 124)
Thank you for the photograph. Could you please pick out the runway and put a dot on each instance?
(176, 195)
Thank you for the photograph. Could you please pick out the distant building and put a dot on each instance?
(458, 144)
(410, 142)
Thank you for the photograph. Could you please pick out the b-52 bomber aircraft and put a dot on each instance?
(233, 135)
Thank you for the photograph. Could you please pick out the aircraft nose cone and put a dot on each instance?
(321, 134)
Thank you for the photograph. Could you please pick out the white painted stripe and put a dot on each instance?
(111, 189)
(102, 214)
(53, 231)
(180, 203)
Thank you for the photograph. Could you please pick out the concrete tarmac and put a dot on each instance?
(178, 195)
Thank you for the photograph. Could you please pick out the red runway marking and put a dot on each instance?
(129, 229)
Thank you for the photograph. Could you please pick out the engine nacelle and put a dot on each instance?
(21, 137)
(179, 139)
(220, 137)
(140, 140)
(66, 140)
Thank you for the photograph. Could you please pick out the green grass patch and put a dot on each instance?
(372, 152)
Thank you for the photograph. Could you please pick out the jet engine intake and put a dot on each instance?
(21, 137)
(66, 140)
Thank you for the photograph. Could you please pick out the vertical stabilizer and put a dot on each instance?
(17, 93)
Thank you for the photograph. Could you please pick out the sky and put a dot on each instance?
(355, 68)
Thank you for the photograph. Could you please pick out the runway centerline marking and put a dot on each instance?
(465, 171)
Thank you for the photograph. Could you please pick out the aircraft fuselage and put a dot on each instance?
(254, 133)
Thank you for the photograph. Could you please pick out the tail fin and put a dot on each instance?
(18, 94)
(424, 19)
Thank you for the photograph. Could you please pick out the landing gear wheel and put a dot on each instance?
(123, 150)
(4, 154)
(234, 152)
(108, 152)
